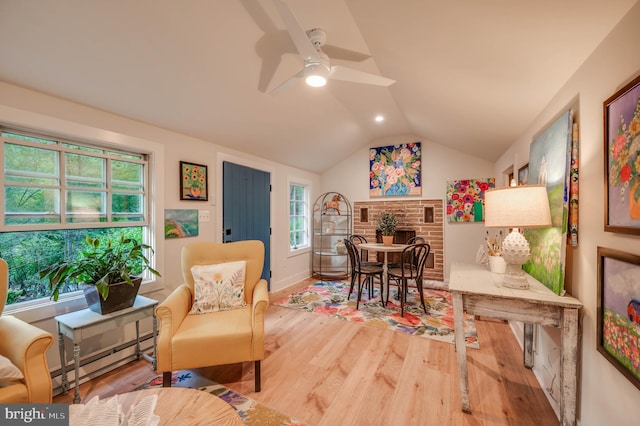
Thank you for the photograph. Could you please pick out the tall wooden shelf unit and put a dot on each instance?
(331, 225)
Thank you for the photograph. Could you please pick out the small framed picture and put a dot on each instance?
(193, 182)
(618, 323)
(622, 160)
(523, 175)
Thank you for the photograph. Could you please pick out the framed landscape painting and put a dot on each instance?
(550, 165)
(618, 327)
(395, 170)
(180, 223)
(523, 175)
(622, 160)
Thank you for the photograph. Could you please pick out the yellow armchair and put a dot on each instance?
(215, 338)
(26, 347)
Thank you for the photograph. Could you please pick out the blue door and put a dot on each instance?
(246, 195)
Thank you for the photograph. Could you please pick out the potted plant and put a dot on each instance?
(106, 271)
(387, 225)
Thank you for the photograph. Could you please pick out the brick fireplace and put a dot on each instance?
(425, 217)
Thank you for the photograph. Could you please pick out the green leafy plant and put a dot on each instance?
(100, 264)
(388, 223)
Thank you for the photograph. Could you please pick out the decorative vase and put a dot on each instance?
(634, 205)
(497, 264)
(121, 296)
(341, 248)
(387, 240)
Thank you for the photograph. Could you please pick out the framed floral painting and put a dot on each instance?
(465, 199)
(193, 182)
(395, 170)
(622, 160)
(618, 326)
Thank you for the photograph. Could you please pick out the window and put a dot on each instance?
(298, 216)
(56, 192)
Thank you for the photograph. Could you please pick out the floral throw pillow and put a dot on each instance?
(218, 287)
(8, 371)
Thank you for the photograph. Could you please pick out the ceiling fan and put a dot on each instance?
(317, 67)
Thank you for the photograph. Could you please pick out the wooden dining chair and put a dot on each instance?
(411, 267)
(363, 274)
(364, 253)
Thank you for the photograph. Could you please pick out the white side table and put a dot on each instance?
(477, 291)
(86, 323)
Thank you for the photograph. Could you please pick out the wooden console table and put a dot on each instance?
(477, 291)
(86, 323)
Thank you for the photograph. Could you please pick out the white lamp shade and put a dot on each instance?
(525, 206)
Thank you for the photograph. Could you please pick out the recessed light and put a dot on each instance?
(379, 118)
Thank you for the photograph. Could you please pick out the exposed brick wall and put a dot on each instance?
(411, 215)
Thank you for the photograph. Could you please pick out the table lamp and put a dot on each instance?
(524, 206)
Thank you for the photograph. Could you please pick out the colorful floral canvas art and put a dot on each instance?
(622, 145)
(395, 170)
(465, 199)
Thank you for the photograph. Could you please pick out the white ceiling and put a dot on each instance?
(470, 74)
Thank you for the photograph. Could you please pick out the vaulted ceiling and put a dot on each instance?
(469, 74)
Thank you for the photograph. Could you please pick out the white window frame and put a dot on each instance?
(307, 195)
(44, 309)
(63, 186)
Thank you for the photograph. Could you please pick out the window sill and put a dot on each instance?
(43, 309)
(299, 251)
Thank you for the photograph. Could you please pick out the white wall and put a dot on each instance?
(605, 395)
(439, 165)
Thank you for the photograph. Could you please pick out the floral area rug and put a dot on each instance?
(250, 411)
(330, 298)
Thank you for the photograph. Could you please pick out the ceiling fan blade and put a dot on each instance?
(286, 83)
(339, 72)
(336, 52)
(298, 35)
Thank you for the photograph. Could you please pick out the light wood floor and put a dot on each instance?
(326, 371)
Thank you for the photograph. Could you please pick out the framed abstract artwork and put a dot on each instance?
(395, 170)
(618, 323)
(465, 199)
(193, 182)
(622, 160)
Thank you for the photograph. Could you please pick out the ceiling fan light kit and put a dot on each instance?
(316, 74)
(317, 67)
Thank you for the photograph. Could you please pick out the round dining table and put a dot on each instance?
(381, 248)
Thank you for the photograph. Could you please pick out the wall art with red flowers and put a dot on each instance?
(465, 199)
(622, 159)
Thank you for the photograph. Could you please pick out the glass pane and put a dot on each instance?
(129, 217)
(299, 192)
(25, 164)
(300, 207)
(126, 203)
(27, 253)
(126, 175)
(83, 148)
(28, 138)
(19, 199)
(85, 171)
(125, 155)
(86, 206)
